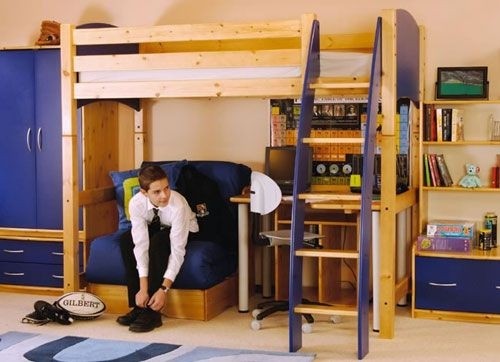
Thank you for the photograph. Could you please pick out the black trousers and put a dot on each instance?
(159, 251)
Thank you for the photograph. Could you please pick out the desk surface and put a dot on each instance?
(315, 202)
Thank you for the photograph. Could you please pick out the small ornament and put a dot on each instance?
(471, 178)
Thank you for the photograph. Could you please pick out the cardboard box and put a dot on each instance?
(451, 228)
(444, 243)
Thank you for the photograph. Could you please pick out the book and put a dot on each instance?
(460, 228)
(445, 243)
(432, 123)
(435, 176)
(427, 172)
(494, 177)
(456, 124)
(443, 170)
(439, 125)
(446, 114)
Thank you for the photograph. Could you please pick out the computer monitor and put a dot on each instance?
(280, 166)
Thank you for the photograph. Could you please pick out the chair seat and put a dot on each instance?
(283, 237)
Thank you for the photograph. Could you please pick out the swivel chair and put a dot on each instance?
(265, 197)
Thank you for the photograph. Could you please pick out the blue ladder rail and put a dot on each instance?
(298, 204)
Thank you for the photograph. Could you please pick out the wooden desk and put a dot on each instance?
(243, 202)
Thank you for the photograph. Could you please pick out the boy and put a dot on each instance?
(153, 251)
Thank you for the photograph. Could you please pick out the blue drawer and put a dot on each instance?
(33, 274)
(465, 285)
(33, 251)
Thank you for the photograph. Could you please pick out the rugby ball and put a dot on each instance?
(81, 305)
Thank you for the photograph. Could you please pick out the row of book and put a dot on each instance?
(442, 124)
(436, 171)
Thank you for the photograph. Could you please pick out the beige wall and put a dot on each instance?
(459, 32)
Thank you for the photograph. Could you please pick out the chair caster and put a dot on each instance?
(307, 328)
(255, 325)
(256, 312)
(336, 319)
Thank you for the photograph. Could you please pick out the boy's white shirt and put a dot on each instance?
(177, 215)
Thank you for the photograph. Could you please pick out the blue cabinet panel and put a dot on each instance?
(45, 252)
(450, 284)
(33, 274)
(17, 151)
(48, 140)
(30, 141)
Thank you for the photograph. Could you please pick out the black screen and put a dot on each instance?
(280, 165)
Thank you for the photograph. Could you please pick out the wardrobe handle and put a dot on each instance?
(13, 251)
(443, 284)
(57, 276)
(13, 274)
(57, 253)
(39, 139)
(28, 139)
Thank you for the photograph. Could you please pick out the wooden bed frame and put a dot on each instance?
(207, 46)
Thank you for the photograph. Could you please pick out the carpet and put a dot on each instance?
(21, 346)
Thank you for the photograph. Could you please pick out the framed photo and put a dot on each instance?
(462, 82)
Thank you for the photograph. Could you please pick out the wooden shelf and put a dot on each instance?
(461, 143)
(459, 189)
(493, 254)
(464, 102)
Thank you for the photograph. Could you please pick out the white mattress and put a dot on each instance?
(332, 64)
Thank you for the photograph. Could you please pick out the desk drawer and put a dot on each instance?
(34, 274)
(466, 285)
(20, 251)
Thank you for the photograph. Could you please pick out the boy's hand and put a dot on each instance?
(141, 299)
(157, 301)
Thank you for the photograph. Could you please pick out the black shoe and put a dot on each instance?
(146, 321)
(130, 317)
(46, 310)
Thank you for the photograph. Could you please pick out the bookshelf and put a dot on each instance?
(472, 279)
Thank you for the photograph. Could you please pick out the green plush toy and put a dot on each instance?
(471, 178)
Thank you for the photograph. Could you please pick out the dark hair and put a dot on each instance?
(149, 174)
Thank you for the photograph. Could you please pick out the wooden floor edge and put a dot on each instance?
(456, 316)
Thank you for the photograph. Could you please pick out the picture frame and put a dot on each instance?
(462, 83)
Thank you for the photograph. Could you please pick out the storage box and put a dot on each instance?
(444, 243)
(451, 228)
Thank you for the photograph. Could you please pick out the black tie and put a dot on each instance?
(155, 223)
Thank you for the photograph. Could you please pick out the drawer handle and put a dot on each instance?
(13, 274)
(57, 253)
(57, 276)
(497, 287)
(13, 251)
(443, 284)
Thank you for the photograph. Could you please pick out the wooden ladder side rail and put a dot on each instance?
(365, 238)
(311, 74)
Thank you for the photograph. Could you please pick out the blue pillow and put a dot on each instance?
(127, 185)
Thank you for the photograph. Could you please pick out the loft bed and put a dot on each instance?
(222, 60)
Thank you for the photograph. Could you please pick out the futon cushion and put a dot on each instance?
(127, 185)
(205, 263)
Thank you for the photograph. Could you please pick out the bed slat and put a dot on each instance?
(158, 61)
(267, 87)
(187, 32)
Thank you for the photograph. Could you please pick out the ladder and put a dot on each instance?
(297, 251)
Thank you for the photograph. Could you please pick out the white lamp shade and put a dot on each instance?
(265, 194)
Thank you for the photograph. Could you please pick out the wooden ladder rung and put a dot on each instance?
(326, 309)
(329, 196)
(341, 85)
(343, 140)
(328, 253)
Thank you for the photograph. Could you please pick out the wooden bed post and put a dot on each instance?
(306, 22)
(69, 162)
(388, 187)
